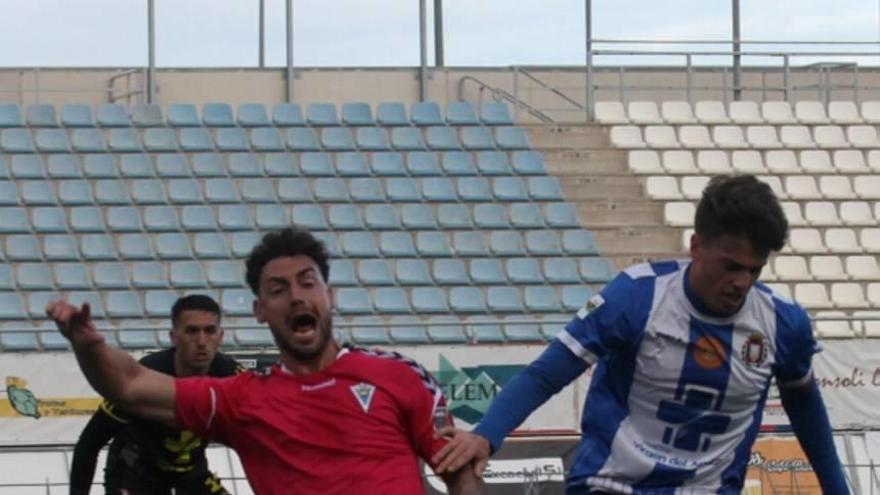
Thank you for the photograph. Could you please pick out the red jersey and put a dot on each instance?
(359, 425)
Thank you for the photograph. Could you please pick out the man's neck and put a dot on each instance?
(182, 371)
(298, 366)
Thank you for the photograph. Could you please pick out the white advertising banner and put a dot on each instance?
(848, 373)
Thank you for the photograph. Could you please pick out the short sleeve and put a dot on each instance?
(426, 411)
(609, 321)
(207, 406)
(795, 346)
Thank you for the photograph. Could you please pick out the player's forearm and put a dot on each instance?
(109, 371)
(464, 482)
(810, 423)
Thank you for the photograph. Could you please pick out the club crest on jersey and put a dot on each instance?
(591, 305)
(363, 392)
(754, 351)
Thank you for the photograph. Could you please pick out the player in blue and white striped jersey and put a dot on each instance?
(684, 354)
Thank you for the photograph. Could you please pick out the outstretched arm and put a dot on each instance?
(112, 372)
(464, 482)
(810, 423)
(98, 431)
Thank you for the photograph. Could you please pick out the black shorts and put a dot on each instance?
(209, 484)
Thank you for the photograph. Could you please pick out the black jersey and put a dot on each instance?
(144, 454)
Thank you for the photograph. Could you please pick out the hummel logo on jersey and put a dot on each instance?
(363, 392)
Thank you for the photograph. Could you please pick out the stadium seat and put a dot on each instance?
(359, 244)
(391, 300)
(836, 187)
(321, 114)
(317, 165)
(408, 329)
(460, 164)
(850, 161)
(745, 112)
(711, 112)
(337, 139)
(762, 136)
(493, 163)
(16, 141)
(402, 190)
(10, 115)
(60, 248)
(806, 240)
(52, 141)
(123, 304)
(662, 188)
(433, 244)
(386, 164)
(848, 295)
(810, 112)
(729, 137)
(677, 112)
(862, 136)
(253, 115)
(22, 248)
(645, 162)
(777, 112)
(294, 190)
(345, 217)
(679, 162)
(438, 189)
(366, 190)
(661, 136)
(796, 136)
(644, 112)
(302, 139)
(381, 217)
(495, 113)
(244, 165)
(195, 139)
(791, 268)
(842, 240)
(112, 115)
(422, 164)
(64, 166)
(596, 270)
(373, 139)
(450, 272)
(461, 113)
(441, 138)
(829, 136)
(574, 297)
(504, 300)
(844, 112)
(391, 114)
(237, 302)
(413, 272)
(309, 216)
(802, 187)
(506, 243)
(352, 300)
(148, 275)
(287, 115)
(695, 136)
(610, 112)
(357, 114)
(77, 115)
(417, 217)
(470, 244)
(397, 245)
(231, 139)
(217, 115)
(821, 214)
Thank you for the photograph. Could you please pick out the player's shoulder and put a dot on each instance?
(652, 270)
(635, 283)
(225, 365)
(161, 361)
(393, 365)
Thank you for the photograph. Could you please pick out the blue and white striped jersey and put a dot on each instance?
(676, 398)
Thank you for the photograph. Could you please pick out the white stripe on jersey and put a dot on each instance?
(576, 348)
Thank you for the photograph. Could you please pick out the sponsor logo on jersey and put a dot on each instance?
(709, 353)
(754, 351)
(363, 392)
(591, 305)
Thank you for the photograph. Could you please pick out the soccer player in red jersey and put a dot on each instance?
(326, 419)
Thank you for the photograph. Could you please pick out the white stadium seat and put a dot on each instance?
(867, 186)
(644, 162)
(714, 162)
(686, 235)
(610, 112)
(849, 161)
(745, 112)
(830, 136)
(791, 268)
(806, 241)
(874, 294)
(874, 160)
(695, 136)
(677, 112)
(863, 267)
(848, 295)
(871, 323)
(777, 112)
(792, 212)
(857, 214)
(711, 112)
(782, 162)
(828, 328)
(679, 214)
(862, 136)
(644, 112)
(816, 162)
(780, 289)
(844, 112)
(748, 162)
(662, 188)
(821, 214)
(796, 136)
(679, 162)
(661, 136)
(810, 112)
(775, 184)
(729, 136)
(827, 268)
(871, 112)
(802, 187)
(869, 239)
(836, 187)
(842, 240)
(762, 136)
(768, 274)
(626, 136)
(692, 186)
(812, 295)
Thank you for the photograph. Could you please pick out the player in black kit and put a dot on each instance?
(147, 458)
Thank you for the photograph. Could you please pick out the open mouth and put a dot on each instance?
(304, 322)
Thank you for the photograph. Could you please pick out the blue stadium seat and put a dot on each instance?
(8, 193)
(210, 245)
(412, 272)
(495, 113)
(442, 138)
(446, 329)
(575, 296)
(397, 245)
(294, 190)
(596, 270)
(254, 337)
(504, 300)
(136, 247)
(467, 300)
(173, 246)
(160, 139)
(232, 139)
(244, 165)
(280, 165)
(136, 166)
(374, 272)
(198, 218)
(506, 243)
(402, 190)
(41, 115)
(112, 115)
(373, 139)
(528, 163)
(491, 216)
(316, 165)
(309, 216)
(345, 217)
(386, 164)
(266, 139)
(526, 216)
(392, 113)
(454, 216)
(235, 217)
(208, 165)
(60, 248)
(519, 331)
(474, 189)
(37, 192)
(511, 138)
(18, 337)
(331, 242)
(219, 190)
(561, 215)
(52, 340)
(433, 244)
(34, 276)
(470, 244)
(94, 299)
(287, 115)
(426, 113)
(381, 217)
(48, 220)
(16, 141)
(391, 300)
(7, 279)
(408, 330)
(124, 219)
(63, 167)
(173, 165)
(37, 302)
(509, 189)
(429, 300)
(136, 338)
(258, 190)
(322, 114)
(111, 275)
(196, 139)
(27, 167)
(97, 247)
(22, 248)
(186, 275)
(359, 244)
(184, 191)
(161, 219)
(352, 164)
(369, 330)
(224, 274)
(477, 138)
(458, 163)
(438, 189)
(158, 303)
(183, 115)
(524, 271)
(330, 190)
(10, 115)
(367, 190)
(217, 115)
(579, 243)
(237, 302)
(148, 275)
(493, 163)
(545, 189)
(111, 192)
(342, 273)
(423, 164)
(487, 271)
(302, 139)
(461, 113)
(87, 140)
(13, 220)
(271, 217)
(407, 139)
(11, 306)
(357, 114)
(450, 272)
(352, 300)
(76, 115)
(337, 139)
(147, 115)
(124, 140)
(541, 299)
(543, 243)
(52, 141)
(253, 115)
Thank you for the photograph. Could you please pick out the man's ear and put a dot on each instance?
(696, 245)
(258, 310)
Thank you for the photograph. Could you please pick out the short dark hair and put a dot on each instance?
(742, 206)
(194, 302)
(290, 241)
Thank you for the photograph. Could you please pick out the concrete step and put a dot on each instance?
(565, 137)
(656, 241)
(588, 187)
(586, 161)
(619, 213)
